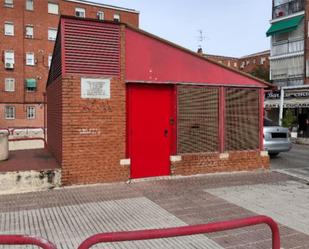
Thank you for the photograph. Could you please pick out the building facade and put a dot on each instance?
(289, 61)
(250, 63)
(28, 34)
(247, 63)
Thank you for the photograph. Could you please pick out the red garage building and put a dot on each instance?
(123, 103)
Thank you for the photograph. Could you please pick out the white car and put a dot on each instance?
(276, 138)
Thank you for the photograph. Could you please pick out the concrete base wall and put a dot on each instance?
(28, 181)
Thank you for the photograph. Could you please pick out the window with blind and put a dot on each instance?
(241, 119)
(53, 8)
(9, 84)
(198, 119)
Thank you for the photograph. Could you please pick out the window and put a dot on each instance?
(30, 112)
(53, 8)
(30, 59)
(254, 61)
(262, 60)
(235, 64)
(30, 85)
(80, 12)
(10, 112)
(9, 59)
(281, 37)
(52, 34)
(280, 2)
(116, 17)
(9, 28)
(9, 85)
(29, 4)
(8, 3)
(100, 15)
(29, 31)
(307, 68)
(49, 60)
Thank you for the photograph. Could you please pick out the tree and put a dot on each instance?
(289, 119)
(261, 72)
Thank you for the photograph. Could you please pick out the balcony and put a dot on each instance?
(288, 8)
(287, 47)
(289, 82)
(287, 73)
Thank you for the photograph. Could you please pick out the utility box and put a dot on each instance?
(4, 146)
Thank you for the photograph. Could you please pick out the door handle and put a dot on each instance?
(165, 132)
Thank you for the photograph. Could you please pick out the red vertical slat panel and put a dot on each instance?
(197, 119)
(92, 47)
(242, 119)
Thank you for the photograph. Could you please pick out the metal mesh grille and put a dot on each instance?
(197, 119)
(241, 119)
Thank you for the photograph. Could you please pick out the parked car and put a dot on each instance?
(276, 138)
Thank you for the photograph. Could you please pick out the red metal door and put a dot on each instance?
(150, 129)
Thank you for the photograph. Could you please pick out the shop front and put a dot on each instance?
(295, 105)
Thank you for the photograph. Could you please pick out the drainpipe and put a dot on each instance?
(281, 105)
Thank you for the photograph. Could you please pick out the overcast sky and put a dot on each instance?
(231, 27)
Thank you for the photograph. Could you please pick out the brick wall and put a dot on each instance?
(93, 135)
(21, 116)
(54, 118)
(210, 163)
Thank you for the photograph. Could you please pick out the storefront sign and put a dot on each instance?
(287, 94)
(95, 88)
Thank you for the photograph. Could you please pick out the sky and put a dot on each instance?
(230, 27)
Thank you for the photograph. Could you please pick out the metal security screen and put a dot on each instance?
(197, 119)
(241, 119)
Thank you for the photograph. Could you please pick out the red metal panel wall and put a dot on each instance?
(149, 59)
(91, 48)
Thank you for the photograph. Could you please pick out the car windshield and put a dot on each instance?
(268, 122)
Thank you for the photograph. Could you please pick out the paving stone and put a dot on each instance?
(68, 226)
(71, 214)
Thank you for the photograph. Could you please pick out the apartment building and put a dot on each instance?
(289, 61)
(287, 32)
(248, 63)
(27, 37)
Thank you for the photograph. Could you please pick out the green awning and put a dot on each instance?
(284, 26)
(31, 83)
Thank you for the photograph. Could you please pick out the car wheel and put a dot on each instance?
(274, 154)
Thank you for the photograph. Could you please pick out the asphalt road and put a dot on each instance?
(297, 157)
(294, 163)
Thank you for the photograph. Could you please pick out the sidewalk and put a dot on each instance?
(67, 216)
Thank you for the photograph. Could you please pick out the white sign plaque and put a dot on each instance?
(95, 88)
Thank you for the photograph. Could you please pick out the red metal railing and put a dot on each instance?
(12, 130)
(26, 128)
(26, 240)
(184, 231)
(5, 129)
